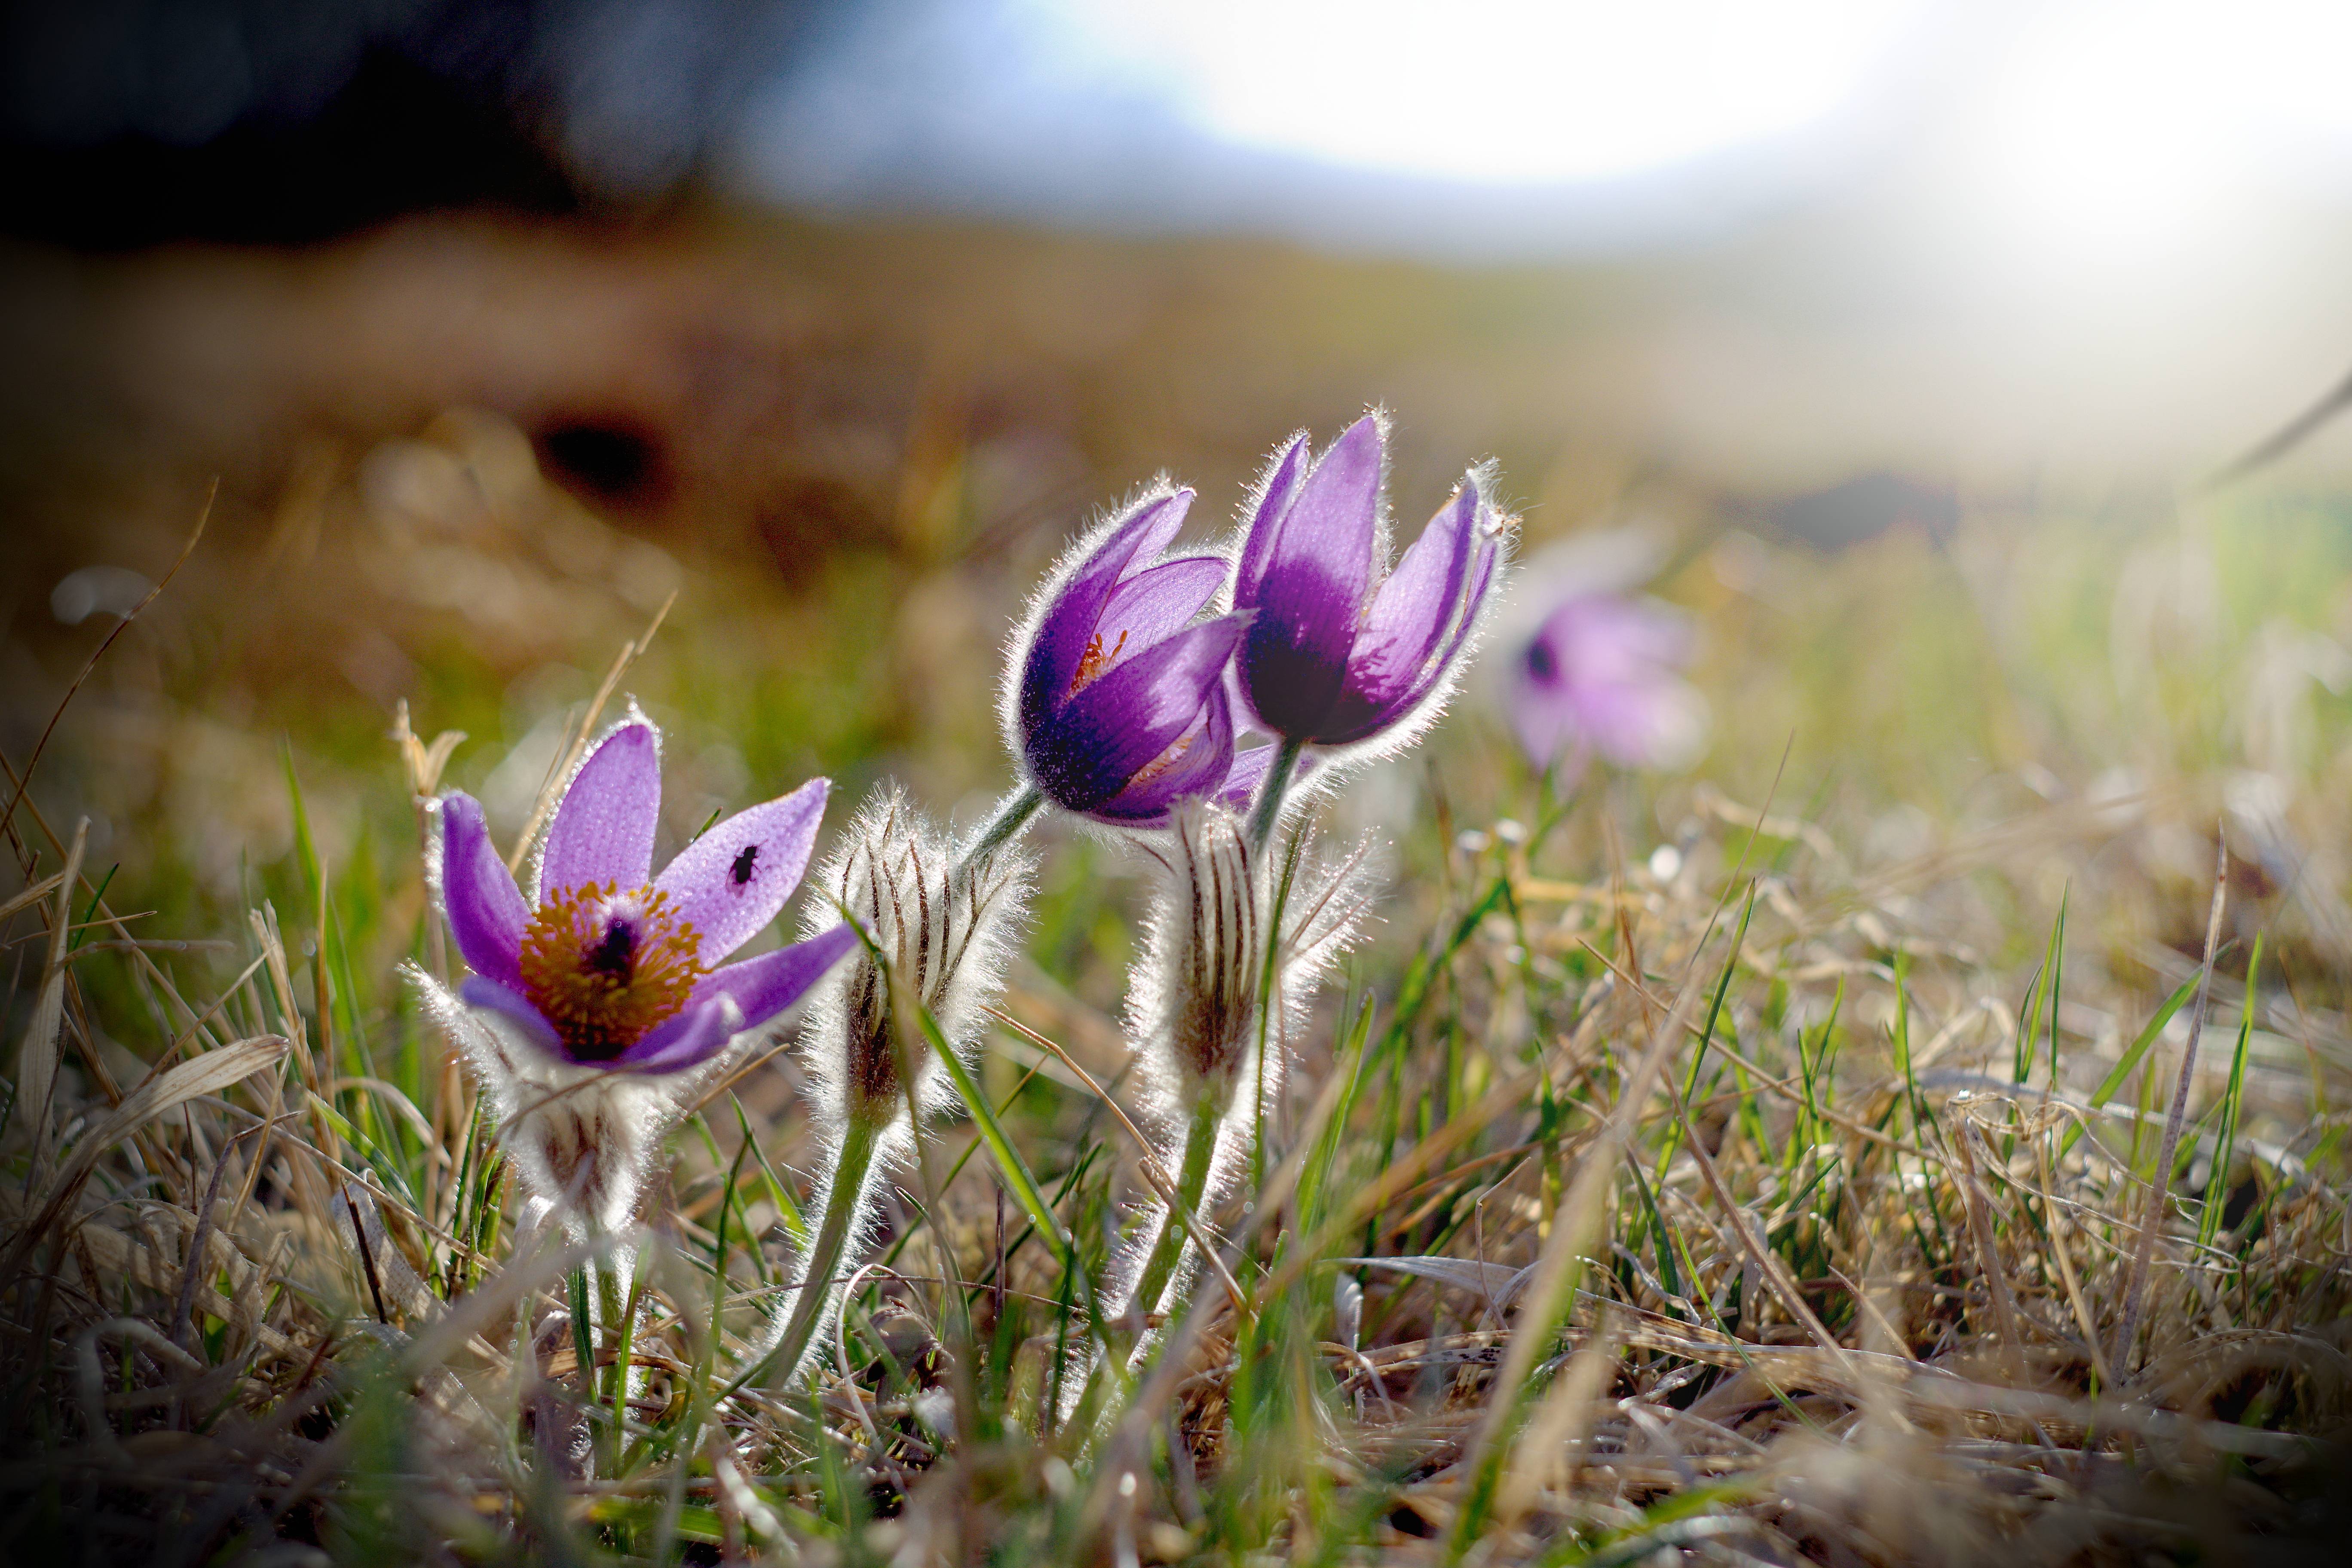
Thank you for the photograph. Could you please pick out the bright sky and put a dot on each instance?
(1495, 91)
(2073, 128)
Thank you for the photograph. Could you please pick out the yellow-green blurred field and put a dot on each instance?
(1844, 1280)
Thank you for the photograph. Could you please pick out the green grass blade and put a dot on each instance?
(1671, 1141)
(2225, 1142)
(2131, 1058)
(1009, 1163)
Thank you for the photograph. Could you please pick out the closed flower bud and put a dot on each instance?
(947, 933)
(1342, 650)
(1114, 698)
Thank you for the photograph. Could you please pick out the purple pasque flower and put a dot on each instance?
(1341, 649)
(616, 967)
(1113, 697)
(1603, 675)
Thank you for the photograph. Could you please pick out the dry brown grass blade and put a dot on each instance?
(2152, 1225)
(37, 1061)
(2060, 1226)
(205, 1074)
(272, 942)
(32, 895)
(1764, 1077)
(1978, 1203)
(1767, 1262)
(1457, 1130)
(150, 973)
(423, 761)
(1939, 1388)
(1573, 1232)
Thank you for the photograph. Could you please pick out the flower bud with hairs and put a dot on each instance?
(1210, 1054)
(944, 928)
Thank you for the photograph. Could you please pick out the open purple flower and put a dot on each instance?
(1340, 649)
(616, 967)
(1603, 675)
(1114, 698)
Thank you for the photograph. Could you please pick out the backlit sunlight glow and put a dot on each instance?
(2139, 128)
(1495, 91)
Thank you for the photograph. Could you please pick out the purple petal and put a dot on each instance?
(1152, 604)
(1197, 764)
(1544, 715)
(1601, 674)
(1599, 636)
(1328, 529)
(688, 1039)
(1416, 606)
(480, 992)
(1265, 519)
(1355, 721)
(1482, 578)
(1390, 668)
(1094, 744)
(604, 830)
(1157, 525)
(1310, 595)
(731, 882)
(486, 914)
(1070, 620)
(764, 986)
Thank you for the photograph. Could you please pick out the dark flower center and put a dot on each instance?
(616, 955)
(603, 967)
(1542, 663)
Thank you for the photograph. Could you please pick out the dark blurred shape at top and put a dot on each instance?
(130, 122)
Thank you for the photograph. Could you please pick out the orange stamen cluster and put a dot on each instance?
(1165, 760)
(605, 967)
(1094, 661)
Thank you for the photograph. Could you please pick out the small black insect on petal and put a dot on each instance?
(740, 872)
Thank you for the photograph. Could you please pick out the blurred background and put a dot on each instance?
(1900, 342)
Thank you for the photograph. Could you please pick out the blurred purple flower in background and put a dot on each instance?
(1340, 650)
(613, 966)
(1114, 700)
(1603, 675)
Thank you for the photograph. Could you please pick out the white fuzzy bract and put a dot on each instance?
(1194, 1004)
(582, 1137)
(946, 931)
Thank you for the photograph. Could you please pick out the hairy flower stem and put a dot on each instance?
(612, 1384)
(1270, 793)
(1004, 828)
(1269, 1005)
(858, 1141)
(1200, 1151)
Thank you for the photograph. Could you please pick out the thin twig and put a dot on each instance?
(2287, 438)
